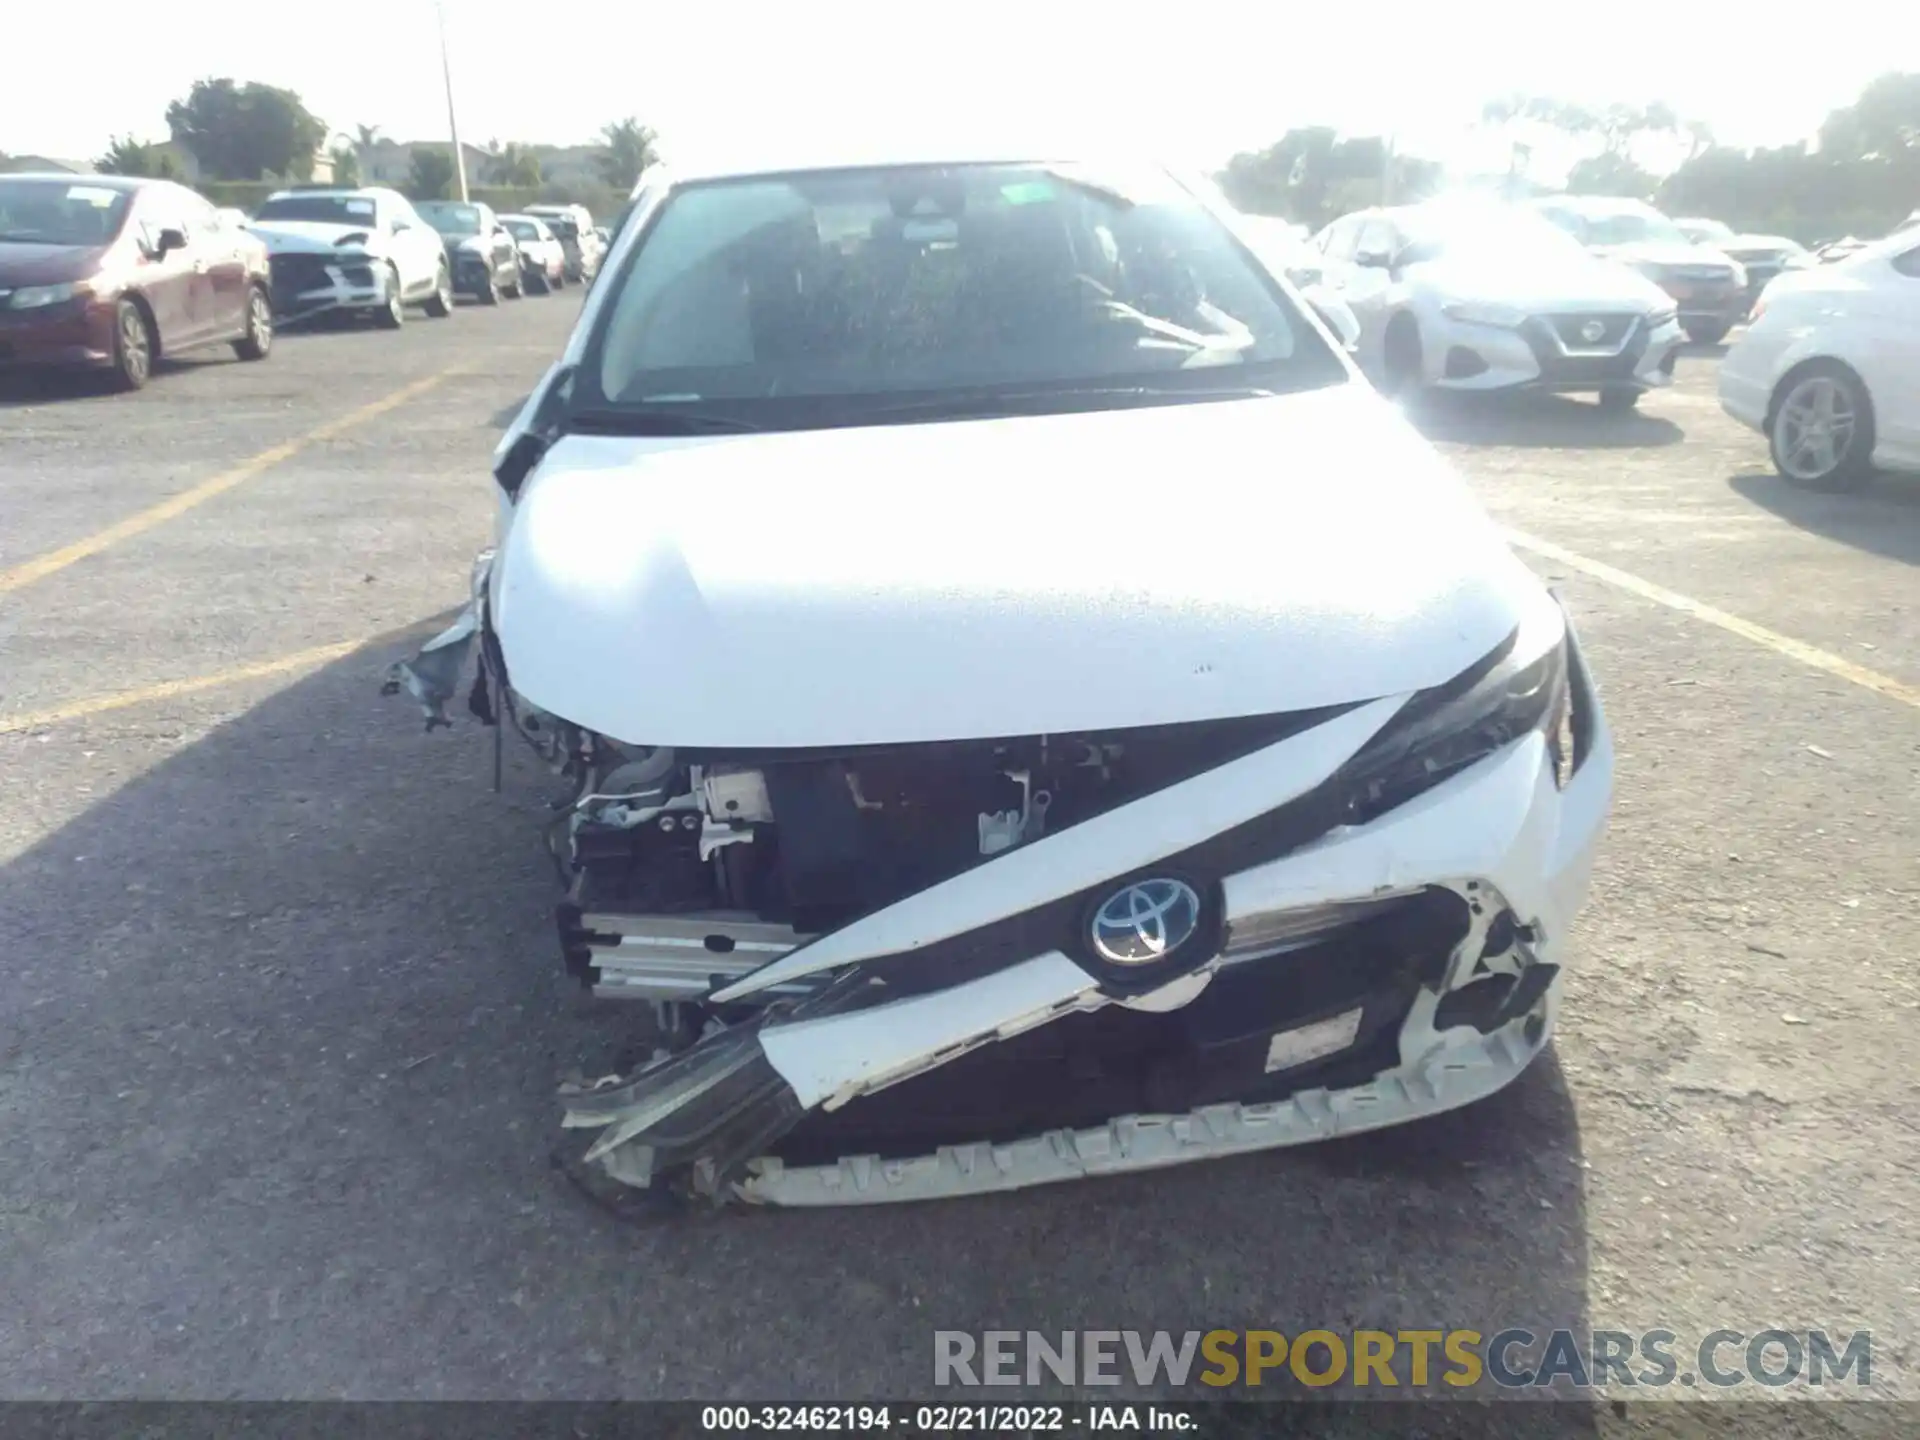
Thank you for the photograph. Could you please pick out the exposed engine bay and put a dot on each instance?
(936, 968)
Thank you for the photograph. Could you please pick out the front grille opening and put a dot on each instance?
(1084, 1070)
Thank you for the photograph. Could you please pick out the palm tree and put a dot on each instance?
(629, 149)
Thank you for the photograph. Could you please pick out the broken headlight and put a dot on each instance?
(1521, 687)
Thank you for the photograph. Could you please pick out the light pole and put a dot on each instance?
(453, 125)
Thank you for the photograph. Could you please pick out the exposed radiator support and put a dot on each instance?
(681, 957)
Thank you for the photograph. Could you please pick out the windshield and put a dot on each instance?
(1631, 227)
(1704, 232)
(59, 212)
(1493, 236)
(562, 227)
(451, 219)
(325, 209)
(522, 229)
(853, 287)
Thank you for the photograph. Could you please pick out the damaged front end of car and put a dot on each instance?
(893, 972)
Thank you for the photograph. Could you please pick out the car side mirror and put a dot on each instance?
(168, 240)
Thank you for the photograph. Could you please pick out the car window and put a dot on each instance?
(321, 209)
(831, 292)
(1633, 227)
(1909, 263)
(1337, 239)
(456, 220)
(60, 212)
(200, 216)
(1377, 237)
(1568, 221)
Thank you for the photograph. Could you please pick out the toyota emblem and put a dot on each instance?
(1593, 330)
(1145, 922)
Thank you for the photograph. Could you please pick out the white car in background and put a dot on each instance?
(1284, 248)
(1829, 368)
(1477, 295)
(1761, 256)
(1032, 711)
(543, 262)
(361, 251)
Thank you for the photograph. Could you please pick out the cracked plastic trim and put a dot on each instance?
(1456, 1068)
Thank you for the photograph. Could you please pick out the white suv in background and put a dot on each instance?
(1477, 295)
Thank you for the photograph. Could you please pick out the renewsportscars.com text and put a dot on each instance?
(1511, 1359)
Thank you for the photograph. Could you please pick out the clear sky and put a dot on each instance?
(1199, 78)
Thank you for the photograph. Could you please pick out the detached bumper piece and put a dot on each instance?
(305, 286)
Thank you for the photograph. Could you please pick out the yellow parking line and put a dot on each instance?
(1810, 655)
(100, 704)
(55, 561)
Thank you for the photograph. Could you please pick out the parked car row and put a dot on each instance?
(373, 250)
(114, 272)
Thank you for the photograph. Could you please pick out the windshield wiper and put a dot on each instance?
(964, 404)
(650, 421)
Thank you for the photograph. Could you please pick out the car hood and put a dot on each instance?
(1655, 252)
(308, 237)
(27, 264)
(1558, 285)
(1759, 245)
(982, 578)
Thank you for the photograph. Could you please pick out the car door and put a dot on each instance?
(168, 282)
(503, 248)
(1369, 285)
(417, 248)
(1895, 352)
(220, 269)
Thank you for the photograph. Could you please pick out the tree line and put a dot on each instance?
(1860, 177)
(254, 131)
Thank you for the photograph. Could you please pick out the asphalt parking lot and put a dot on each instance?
(280, 1018)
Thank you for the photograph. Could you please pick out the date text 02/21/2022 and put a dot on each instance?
(940, 1419)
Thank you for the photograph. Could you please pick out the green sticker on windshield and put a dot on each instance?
(1027, 192)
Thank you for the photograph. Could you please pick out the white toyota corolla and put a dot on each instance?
(1030, 709)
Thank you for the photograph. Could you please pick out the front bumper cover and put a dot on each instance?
(791, 1106)
(1547, 353)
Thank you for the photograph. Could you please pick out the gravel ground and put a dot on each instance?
(281, 1020)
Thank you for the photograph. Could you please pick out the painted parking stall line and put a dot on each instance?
(52, 563)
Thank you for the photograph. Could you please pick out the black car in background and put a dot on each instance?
(484, 258)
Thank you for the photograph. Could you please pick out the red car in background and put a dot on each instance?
(107, 271)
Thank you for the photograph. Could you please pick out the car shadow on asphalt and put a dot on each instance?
(279, 1044)
(1881, 520)
(1535, 421)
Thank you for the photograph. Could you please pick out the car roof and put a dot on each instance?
(1596, 205)
(358, 192)
(689, 163)
(128, 183)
